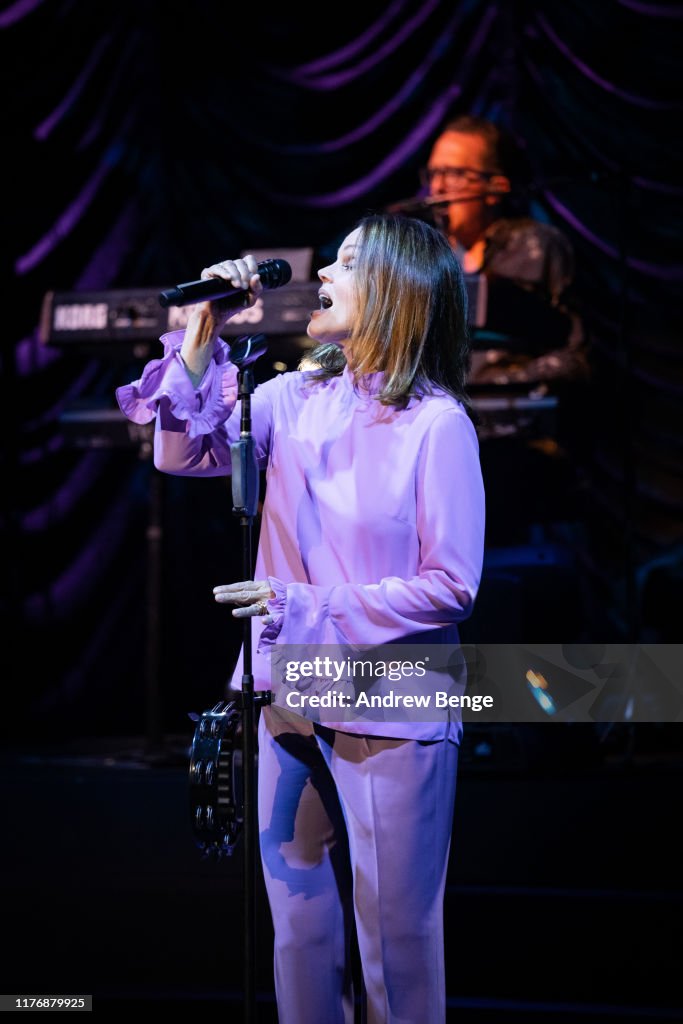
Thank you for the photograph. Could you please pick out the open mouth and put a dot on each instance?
(325, 301)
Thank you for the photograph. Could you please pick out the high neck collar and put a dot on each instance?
(367, 384)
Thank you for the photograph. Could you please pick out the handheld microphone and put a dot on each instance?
(273, 273)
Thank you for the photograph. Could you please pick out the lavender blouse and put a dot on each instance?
(373, 522)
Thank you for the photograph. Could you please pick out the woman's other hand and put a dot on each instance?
(250, 597)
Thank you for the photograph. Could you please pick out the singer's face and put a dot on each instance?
(333, 321)
(459, 166)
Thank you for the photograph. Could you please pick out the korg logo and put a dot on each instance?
(85, 316)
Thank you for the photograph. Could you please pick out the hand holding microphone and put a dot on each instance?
(228, 281)
(224, 288)
(245, 286)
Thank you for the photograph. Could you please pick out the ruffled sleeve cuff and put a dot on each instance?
(203, 408)
(276, 607)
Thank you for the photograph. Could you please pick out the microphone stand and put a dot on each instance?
(245, 493)
(425, 203)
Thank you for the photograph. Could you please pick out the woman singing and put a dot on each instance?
(372, 532)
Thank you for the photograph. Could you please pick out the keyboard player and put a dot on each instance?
(519, 269)
(527, 340)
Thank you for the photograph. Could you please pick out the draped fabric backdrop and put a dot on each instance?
(141, 145)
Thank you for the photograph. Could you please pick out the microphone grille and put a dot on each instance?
(275, 272)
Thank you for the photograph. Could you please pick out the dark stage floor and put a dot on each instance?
(563, 900)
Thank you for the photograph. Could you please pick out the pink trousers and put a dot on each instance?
(355, 827)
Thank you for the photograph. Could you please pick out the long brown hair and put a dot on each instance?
(412, 321)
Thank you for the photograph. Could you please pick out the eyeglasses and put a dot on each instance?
(455, 176)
